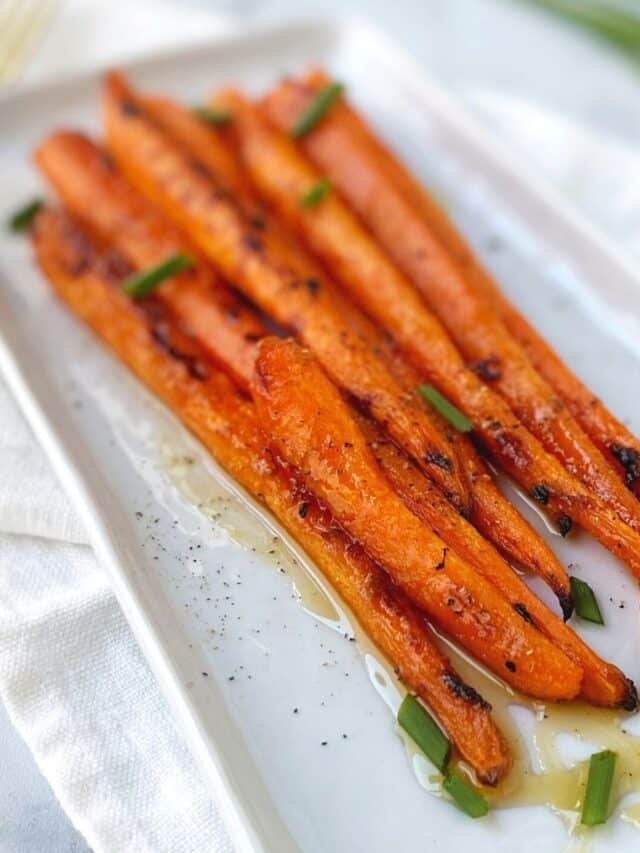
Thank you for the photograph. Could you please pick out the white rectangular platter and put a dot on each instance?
(299, 748)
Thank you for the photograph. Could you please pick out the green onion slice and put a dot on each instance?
(466, 797)
(213, 116)
(419, 725)
(317, 192)
(459, 420)
(23, 218)
(595, 808)
(586, 604)
(316, 109)
(140, 284)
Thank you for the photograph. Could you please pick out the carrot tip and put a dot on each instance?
(566, 605)
(629, 701)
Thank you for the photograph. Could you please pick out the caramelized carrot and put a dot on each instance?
(93, 190)
(78, 170)
(204, 143)
(613, 438)
(348, 251)
(474, 325)
(491, 513)
(226, 424)
(266, 275)
(311, 428)
(602, 683)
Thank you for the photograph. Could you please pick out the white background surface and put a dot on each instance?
(470, 45)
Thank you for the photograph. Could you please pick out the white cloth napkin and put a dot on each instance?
(71, 675)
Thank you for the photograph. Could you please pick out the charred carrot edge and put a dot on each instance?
(166, 174)
(310, 426)
(603, 683)
(227, 426)
(337, 238)
(475, 327)
(614, 439)
(91, 187)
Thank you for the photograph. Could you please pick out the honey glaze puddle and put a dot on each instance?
(550, 744)
(227, 509)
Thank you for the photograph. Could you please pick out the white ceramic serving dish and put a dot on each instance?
(201, 602)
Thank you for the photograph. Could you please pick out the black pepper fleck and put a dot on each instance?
(564, 525)
(487, 369)
(540, 493)
(438, 459)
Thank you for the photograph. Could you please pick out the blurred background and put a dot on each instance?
(559, 80)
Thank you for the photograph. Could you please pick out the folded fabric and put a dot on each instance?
(74, 681)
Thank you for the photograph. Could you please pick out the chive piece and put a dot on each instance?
(317, 192)
(459, 420)
(419, 725)
(23, 218)
(586, 604)
(468, 798)
(213, 116)
(140, 284)
(595, 808)
(316, 109)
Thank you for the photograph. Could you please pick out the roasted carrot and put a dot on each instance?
(93, 190)
(78, 170)
(203, 141)
(227, 426)
(613, 438)
(491, 513)
(256, 266)
(471, 320)
(336, 236)
(310, 426)
(603, 683)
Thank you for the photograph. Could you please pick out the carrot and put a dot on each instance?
(311, 428)
(474, 325)
(66, 158)
(491, 513)
(603, 683)
(204, 142)
(227, 426)
(336, 236)
(266, 275)
(91, 187)
(614, 439)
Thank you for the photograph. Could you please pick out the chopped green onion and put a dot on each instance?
(316, 109)
(586, 605)
(213, 116)
(468, 798)
(317, 192)
(140, 284)
(595, 808)
(23, 218)
(610, 21)
(459, 420)
(419, 725)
